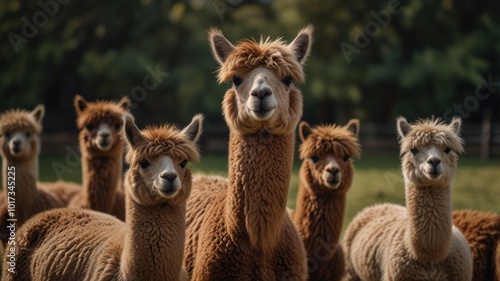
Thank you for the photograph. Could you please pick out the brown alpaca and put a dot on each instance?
(324, 179)
(101, 146)
(238, 229)
(20, 146)
(76, 244)
(419, 242)
(482, 231)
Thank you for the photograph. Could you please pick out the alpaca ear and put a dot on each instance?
(301, 45)
(456, 124)
(80, 104)
(304, 130)
(130, 131)
(38, 112)
(353, 126)
(194, 129)
(221, 47)
(403, 127)
(124, 103)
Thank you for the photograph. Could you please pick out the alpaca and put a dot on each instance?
(20, 146)
(238, 228)
(324, 179)
(419, 242)
(482, 231)
(101, 146)
(78, 244)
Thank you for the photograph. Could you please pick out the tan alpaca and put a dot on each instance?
(20, 146)
(76, 244)
(238, 229)
(324, 179)
(101, 146)
(419, 242)
(482, 231)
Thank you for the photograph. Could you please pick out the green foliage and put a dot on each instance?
(418, 60)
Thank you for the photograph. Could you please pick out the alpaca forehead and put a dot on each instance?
(100, 116)
(339, 145)
(19, 121)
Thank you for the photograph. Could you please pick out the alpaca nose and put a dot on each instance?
(104, 135)
(16, 142)
(333, 170)
(168, 176)
(261, 92)
(434, 161)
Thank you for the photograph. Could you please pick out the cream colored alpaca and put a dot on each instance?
(101, 146)
(238, 229)
(419, 242)
(20, 146)
(77, 244)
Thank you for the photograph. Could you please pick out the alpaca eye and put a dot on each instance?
(346, 158)
(28, 134)
(237, 80)
(447, 150)
(90, 127)
(7, 135)
(288, 81)
(118, 126)
(315, 159)
(144, 164)
(183, 164)
(414, 151)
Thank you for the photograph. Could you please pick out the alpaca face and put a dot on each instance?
(158, 157)
(430, 151)
(100, 125)
(327, 152)
(20, 133)
(263, 96)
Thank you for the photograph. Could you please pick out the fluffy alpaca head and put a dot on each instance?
(429, 150)
(263, 74)
(100, 124)
(327, 151)
(158, 157)
(20, 133)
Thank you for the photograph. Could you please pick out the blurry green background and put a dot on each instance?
(371, 59)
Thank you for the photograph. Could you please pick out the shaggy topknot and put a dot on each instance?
(19, 119)
(326, 139)
(432, 131)
(98, 110)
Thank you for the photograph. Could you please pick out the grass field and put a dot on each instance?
(377, 179)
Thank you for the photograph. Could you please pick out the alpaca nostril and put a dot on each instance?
(261, 93)
(168, 176)
(17, 142)
(333, 171)
(104, 135)
(434, 161)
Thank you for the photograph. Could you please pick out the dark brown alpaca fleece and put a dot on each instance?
(324, 179)
(20, 146)
(238, 228)
(482, 231)
(101, 168)
(77, 244)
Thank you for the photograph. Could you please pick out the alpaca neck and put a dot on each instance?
(319, 217)
(154, 237)
(259, 173)
(25, 177)
(101, 177)
(429, 225)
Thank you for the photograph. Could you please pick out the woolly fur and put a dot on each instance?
(31, 197)
(419, 242)
(72, 244)
(482, 231)
(320, 207)
(238, 228)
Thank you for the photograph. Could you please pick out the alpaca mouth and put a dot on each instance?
(103, 145)
(167, 189)
(262, 114)
(16, 150)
